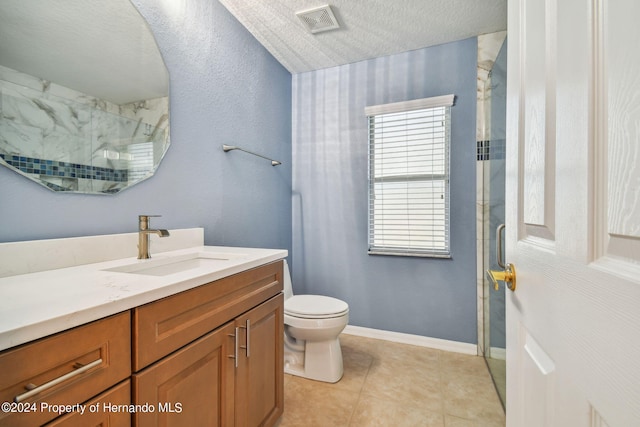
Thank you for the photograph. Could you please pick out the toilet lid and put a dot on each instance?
(313, 306)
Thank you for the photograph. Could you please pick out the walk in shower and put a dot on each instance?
(491, 132)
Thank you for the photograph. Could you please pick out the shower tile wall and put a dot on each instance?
(496, 184)
(488, 48)
(63, 128)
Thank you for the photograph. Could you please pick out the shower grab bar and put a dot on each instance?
(499, 235)
(228, 148)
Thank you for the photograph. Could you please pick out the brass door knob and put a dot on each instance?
(508, 276)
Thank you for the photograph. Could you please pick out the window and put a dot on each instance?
(409, 177)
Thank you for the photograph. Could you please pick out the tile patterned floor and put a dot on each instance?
(390, 384)
(498, 370)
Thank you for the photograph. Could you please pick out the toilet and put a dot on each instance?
(312, 324)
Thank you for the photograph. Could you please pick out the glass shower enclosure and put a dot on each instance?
(493, 110)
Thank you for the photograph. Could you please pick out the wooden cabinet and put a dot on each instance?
(116, 396)
(232, 374)
(166, 325)
(209, 356)
(259, 377)
(64, 369)
(191, 387)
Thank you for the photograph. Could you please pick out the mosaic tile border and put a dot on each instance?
(491, 150)
(55, 168)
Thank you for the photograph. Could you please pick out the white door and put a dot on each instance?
(573, 213)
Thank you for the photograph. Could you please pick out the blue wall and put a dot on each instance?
(423, 296)
(225, 88)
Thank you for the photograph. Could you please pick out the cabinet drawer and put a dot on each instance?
(103, 416)
(67, 368)
(163, 326)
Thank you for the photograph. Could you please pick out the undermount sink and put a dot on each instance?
(177, 264)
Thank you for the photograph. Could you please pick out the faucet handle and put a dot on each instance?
(143, 221)
(145, 218)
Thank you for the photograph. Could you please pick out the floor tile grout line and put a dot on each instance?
(355, 407)
(364, 381)
(451, 368)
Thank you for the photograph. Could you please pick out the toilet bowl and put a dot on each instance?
(312, 324)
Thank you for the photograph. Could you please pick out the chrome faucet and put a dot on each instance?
(143, 235)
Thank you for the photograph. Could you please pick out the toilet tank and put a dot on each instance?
(288, 288)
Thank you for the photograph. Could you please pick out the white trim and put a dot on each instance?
(498, 353)
(409, 169)
(415, 104)
(421, 341)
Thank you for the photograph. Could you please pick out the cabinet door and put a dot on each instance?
(192, 387)
(260, 375)
(102, 411)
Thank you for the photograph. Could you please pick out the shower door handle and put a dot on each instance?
(499, 235)
(508, 275)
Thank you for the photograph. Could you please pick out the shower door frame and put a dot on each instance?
(489, 46)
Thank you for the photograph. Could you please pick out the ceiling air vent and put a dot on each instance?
(318, 19)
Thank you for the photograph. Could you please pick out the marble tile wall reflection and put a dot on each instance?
(488, 147)
(91, 145)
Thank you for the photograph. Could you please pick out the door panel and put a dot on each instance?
(617, 122)
(538, 121)
(573, 324)
(538, 375)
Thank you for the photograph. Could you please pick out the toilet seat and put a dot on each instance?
(315, 307)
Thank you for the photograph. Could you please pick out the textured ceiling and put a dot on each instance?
(369, 28)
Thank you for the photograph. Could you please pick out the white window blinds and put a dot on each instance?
(409, 177)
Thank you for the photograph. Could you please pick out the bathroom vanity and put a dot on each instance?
(187, 338)
(217, 348)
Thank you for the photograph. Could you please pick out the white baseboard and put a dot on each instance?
(437, 343)
(498, 353)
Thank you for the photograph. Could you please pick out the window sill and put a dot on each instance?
(409, 254)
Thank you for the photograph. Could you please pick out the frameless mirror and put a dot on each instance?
(84, 94)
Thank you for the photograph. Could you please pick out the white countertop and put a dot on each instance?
(38, 304)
